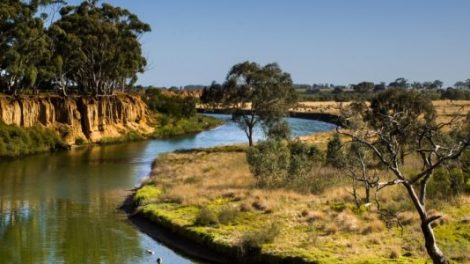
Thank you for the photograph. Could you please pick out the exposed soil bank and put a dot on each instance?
(80, 118)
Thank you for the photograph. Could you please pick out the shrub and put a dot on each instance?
(206, 217)
(171, 127)
(269, 161)
(227, 215)
(79, 141)
(171, 105)
(251, 242)
(446, 184)
(277, 164)
(18, 141)
(334, 154)
(465, 164)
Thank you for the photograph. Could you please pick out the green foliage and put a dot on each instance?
(174, 106)
(334, 154)
(172, 127)
(206, 217)
(277, 163)
(255, 94)
(129, 137)
(146, 194)
(24, 45)
(80, 141)
(278, 130)
(446, 184)
(465, 164)
(251, 241)
(16, 141)
(227, 214)
(99, 46)
(269, 163)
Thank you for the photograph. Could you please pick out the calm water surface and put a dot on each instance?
(62, 207)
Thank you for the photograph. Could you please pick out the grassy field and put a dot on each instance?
(210, 197)
(445, 109)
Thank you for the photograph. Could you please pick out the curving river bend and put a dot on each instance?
(62, 207)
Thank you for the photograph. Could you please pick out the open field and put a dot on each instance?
(445, 109)
(210, 197)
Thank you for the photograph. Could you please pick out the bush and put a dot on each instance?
(171, 105)
(251, 242)
(206, 217)
(277, 163)
(334, 154)
(446, 183)
(269, 162)
(227, 215)
(17, 141)
(172, 127)
(465, 164)
(79, 141)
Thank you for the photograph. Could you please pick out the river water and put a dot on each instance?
(63, 207)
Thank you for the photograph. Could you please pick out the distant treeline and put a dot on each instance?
(365, 90)
(85, 49)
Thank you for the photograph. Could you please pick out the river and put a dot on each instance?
(63, 207)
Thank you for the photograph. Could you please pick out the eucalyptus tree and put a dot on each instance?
(97, 48)
(258, 95)
(24, 44)
(400, 123)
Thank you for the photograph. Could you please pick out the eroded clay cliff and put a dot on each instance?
(88, 118)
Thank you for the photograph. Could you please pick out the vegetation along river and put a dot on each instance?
(63, 207)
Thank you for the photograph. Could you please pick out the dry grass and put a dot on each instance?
(196, 178)
(446, 109)
(325, 227)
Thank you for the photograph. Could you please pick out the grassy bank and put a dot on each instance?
(211, 198)
(168, 126)
(17, 141)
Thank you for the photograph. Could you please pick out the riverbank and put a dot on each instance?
(16, 141)
(209, 197)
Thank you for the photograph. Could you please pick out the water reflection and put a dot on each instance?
(61, 207)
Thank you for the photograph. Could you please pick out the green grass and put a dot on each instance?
(170, 127)
(129, 137)
(17, 141)
(147, 194)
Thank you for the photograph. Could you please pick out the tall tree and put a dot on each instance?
(399, 123)
(24, 45)
(258, 94)
(399, 83)
(97, 48)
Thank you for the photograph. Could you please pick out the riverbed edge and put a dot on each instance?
(193, 244)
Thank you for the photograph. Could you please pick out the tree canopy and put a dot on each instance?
(93, 49)
(254, 94)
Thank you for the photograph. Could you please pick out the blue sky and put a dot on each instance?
(328, 41)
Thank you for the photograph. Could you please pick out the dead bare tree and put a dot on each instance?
(362, 173)
(399, 123)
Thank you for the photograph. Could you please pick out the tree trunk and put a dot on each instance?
(431, 247)
(367, 198)
(250, 135)
(250, 139)
(429, 239)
